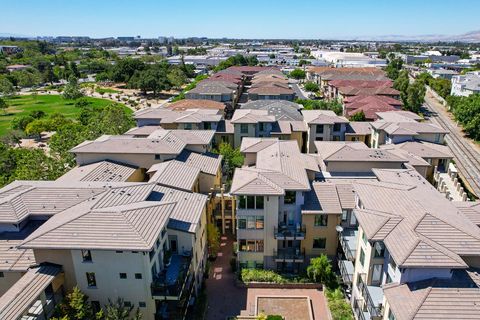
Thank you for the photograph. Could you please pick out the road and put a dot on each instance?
(466, 153)
(298, 92)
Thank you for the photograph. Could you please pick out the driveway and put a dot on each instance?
(224, 298)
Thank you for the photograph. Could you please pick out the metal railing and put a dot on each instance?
(349, 253)
(290, 232)
(357, 308)
(346, 277)
(293, 254)
(374, 311)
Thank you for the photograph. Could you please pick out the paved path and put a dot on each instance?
(466, 152)
(224, 298)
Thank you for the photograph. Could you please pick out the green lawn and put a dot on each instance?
(21, 105)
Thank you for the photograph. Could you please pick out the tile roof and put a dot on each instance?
(271, 88)
(371, 105)
(279, 166)
(361, 83)
(322, 117)
(251, 116)
(281, 109)
(186, 104)
(168, 116)
(106, 170)
(142, 131)
(426, 149)
(419, 226)
(208, 163)
(322, 198)
(26, 291)
(353, 151)
(471, 209)
(358, 127)
(174, 174)
(186, 137)
(356, 91)
(432, 299)
(399, 116)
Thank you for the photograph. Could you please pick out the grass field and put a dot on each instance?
(22, 105)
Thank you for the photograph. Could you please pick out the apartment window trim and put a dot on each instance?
(322, 221)
(86, 256)
(138, 276)
(316, 244)
(319, 129)
(251, 203)
(243, 128)
(362, 257)
(122, 275)
(91, 280)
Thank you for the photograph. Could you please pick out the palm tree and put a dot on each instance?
(320, 269)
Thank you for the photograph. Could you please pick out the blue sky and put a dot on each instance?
(304, 19)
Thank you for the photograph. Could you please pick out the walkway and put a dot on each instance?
(466, 152)
(224, 298)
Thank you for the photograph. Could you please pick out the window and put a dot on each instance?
(390, 315)
(364, 237)
(157, 157)
(242, 202)
(188, 126)
(261, 126)
(289, 197)
(207, 125)
(379, 250)
(118, 251)
(259, 202)
(389, 279)
(319, 128)
(250, 202)
(127, 304)
(123, 275)
(242, 223)
(86, 256)
(91, 281)
(362, 257)
(250, 222)
(377, 273)
(251, 245)
(259, 222)
(337, 127)
(344, 215)
(2, 275)
(392, 263)
(243, 128)
(319, 243)
(319, 139)
(142, 304)
(336, 138)
(138, 276)
(321, 220)
(164, 231)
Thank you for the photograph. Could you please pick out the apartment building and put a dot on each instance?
(370, 105)
(270, 193)
(400, 126)
(415, 254)
(467, 84)
(155, 235)
(323, 125)
(338, 89)
(159, 146)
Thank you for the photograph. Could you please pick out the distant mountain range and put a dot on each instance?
(472, 36)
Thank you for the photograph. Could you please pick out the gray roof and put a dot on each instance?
(128, 217)
(322, 198)
(358, 128)
(322, 117)
(400, 210)
(251, 116)
(174, 174)
(426, 149)
(279, 166)
(167, 116)
(100, 171)
(26, 291)
(433, 299)
(208, 163)
(281, 109)
(341, 151)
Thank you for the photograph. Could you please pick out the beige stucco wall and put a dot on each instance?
(60, 257)
(329, 232)
(237, 135)
(137, 176)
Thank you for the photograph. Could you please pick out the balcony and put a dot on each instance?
(290, 232)
(373, 297)
(171, 283)
(346, 270)
(289, 255)
(358, 310)
(348, 241)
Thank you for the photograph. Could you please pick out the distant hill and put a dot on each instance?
(472, 36)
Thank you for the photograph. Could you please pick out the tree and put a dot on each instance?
(311, 86)
(176, 77)
(358, 116)
(466, 111)
(77, 307)
(49, 75)
(394, 66)
(152, 79)
(6, 87)
(12, 137)
(415, 96)
(118, 311)
(21, 122)
(125, 68)
(320, 269)
(3, 105)
(339, 307)
(72, 89)
(36, 127)
(298, 74)
(232, 158)
(37, 114)
(82, 102)
(213, 239)
(333, 105)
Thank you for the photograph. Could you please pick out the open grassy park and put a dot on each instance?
(22, 105)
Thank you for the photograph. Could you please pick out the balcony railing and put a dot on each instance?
(172, 281)
(290, 232)
(346, 270)
(357, 308)
(348, 242)
(373, 310)
(289, 255)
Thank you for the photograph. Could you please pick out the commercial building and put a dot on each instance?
(467, 84)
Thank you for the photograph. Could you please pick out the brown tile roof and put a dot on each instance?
(15, 302)
(361, 83)
(100, 171)
(371, 105)
(358, 127)
(322, 117)
(322, 198)
(208, 163)
(272, 88)
(174, 174)
(185, 104)
(251, 116)
(332, 151)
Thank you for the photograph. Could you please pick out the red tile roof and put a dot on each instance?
(361, 83)
(370, 105)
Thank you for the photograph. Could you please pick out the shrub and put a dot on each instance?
(311, 86)
(259, 275)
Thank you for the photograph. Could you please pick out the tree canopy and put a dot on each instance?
(297, 74)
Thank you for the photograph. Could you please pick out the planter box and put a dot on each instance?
(271, 285)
